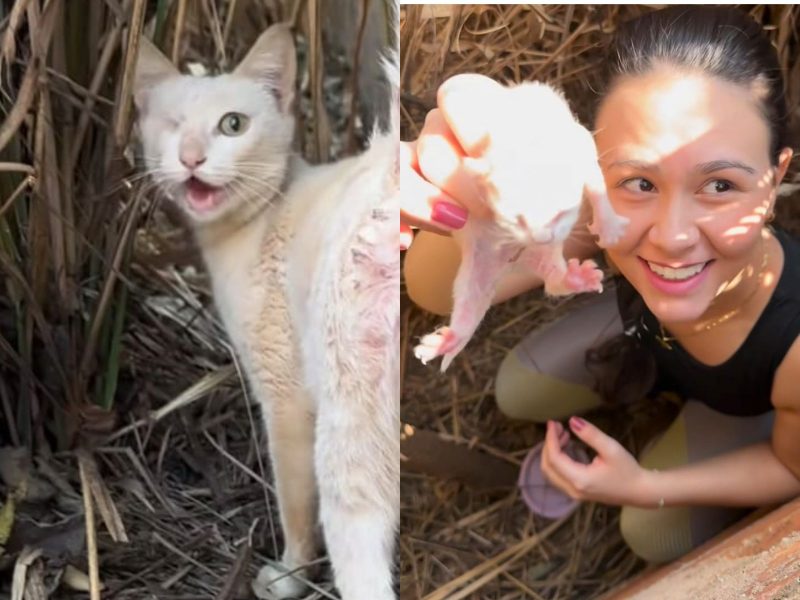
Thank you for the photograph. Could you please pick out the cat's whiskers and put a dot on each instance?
(247, 194)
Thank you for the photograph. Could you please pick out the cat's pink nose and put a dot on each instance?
(191, 160)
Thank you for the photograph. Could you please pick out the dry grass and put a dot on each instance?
(115, 375)
(458, 542)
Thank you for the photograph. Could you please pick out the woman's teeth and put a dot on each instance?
(676, 274)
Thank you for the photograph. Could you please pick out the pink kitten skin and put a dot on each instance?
(537, 172)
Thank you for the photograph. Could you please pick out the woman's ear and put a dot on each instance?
(784, 159)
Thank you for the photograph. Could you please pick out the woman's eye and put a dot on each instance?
(717, 186)
(638, 184)
(233, 123)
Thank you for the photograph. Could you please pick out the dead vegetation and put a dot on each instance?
(457, 540)
(131, 459)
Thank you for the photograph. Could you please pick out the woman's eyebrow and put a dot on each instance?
(634, 164)
(707, 167)
(718, 165)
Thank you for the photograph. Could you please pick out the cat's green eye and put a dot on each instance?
(233, 123)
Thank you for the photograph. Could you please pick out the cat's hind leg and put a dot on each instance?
(290, 427)
(356, 370)
(357, 464)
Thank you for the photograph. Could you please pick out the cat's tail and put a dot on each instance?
(391, 70)
(390, 63)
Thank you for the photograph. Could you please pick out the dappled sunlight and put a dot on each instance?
(748, 222)
(738, 230)
(675, 106)
(727, 286)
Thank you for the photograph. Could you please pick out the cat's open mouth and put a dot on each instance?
(202, 196)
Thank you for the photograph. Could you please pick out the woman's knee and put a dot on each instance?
(523, 392)
(656, 535)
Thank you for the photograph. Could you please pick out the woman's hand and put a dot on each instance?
(424, 205)
(438, 177)
(613, 477)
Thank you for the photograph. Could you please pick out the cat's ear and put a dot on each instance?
(152, 67)
(272, 61)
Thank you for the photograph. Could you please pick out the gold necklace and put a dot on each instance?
(664, 339)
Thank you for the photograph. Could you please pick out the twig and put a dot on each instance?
(91, 533)
(179, 21)
(122, 120)
(490, 567)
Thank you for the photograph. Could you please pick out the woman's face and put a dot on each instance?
(686, 159)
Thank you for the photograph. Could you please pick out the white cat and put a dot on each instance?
(305, 269)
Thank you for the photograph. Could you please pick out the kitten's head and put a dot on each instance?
(218, 144)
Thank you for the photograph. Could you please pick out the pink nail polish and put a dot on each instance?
(448, 214)
(577, 423)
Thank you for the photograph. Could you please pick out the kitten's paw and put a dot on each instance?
(583, 276)
(579, 277)
(272, 583)
(443, 342)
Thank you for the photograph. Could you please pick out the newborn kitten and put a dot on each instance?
(305, 273)
(536, 171)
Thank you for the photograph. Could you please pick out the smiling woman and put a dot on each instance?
(693, 142)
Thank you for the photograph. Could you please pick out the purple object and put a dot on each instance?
(542, 497)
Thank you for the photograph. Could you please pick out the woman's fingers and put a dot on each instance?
(562, 465)
(423, 204)
(406, 236)
(438, 178)
(441, 161)
(463, 100)
(605, 446)
(550, 456)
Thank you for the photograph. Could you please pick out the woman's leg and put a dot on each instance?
(698, 433)
(429, 269)
(545, 376)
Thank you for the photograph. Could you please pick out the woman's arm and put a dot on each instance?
(750, 476)
(755, 475)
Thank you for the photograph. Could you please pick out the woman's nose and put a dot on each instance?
(675, 226)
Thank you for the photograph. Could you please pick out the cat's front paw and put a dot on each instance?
(442, 342)
(273, 583)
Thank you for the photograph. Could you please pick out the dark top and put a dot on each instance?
(742, 385)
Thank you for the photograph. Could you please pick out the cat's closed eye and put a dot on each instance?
(233, 123)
